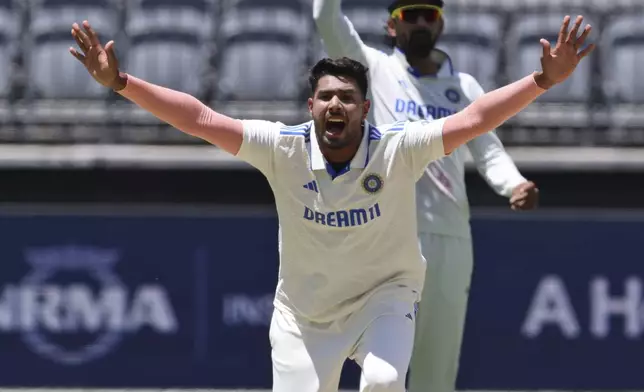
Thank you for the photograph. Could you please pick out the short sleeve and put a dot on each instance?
(259, 144)
(421, 143)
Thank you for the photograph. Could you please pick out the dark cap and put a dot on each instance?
(402, 3)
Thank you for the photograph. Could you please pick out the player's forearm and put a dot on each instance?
(494, 164)
(176, 108)
(502, 174)
(326, 11)
(338, 35)
(185, 113)
(489, 111)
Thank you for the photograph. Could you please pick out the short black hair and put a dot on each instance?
(342, 66)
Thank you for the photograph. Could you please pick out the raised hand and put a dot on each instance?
(558, 63)
(100, 62)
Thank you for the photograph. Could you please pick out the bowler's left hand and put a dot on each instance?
(558, 63)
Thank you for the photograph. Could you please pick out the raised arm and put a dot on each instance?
(176, 108)
(338, 35)
(496, 107)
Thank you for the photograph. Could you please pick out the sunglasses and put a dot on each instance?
(412, 13)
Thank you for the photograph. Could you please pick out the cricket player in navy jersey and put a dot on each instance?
(417, 81)
(351, 270)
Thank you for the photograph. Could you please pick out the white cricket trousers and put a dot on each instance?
(441, 315)
(379, 337)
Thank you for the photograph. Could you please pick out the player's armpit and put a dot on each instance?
(185, 113)
(488, 112)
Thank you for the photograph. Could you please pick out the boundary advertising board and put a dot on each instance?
(167, 298)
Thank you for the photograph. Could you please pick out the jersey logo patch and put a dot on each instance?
(312, 186)
(372, 183)
(411, 316)
(452, 95)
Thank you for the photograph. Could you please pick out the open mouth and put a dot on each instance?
(334, 127)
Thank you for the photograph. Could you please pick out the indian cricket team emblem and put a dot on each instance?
(51, 266)
(452, 95)
(372, 183)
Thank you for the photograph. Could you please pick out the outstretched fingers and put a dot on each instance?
(574, 40)
(563, 32)
(93, 36)
(578, 42)
(81, 38)
(572, 35)
(80, 42)
(545, 45)
(78, 56)
(111, 56)
(586, 51)
(582, 38)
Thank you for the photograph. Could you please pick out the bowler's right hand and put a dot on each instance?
(99, 61)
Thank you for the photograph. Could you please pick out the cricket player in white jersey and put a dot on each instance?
(351, 269)
(416, 81)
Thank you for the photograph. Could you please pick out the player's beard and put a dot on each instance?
(419, 44)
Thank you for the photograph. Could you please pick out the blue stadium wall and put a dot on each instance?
(165, 279)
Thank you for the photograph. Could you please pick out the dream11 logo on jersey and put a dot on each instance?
(71, 308)
(607, 301)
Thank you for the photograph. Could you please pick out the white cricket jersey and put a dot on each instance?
(343, 235)
(397, 93)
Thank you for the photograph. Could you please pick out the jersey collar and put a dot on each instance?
(446, 70)
(359, 161)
